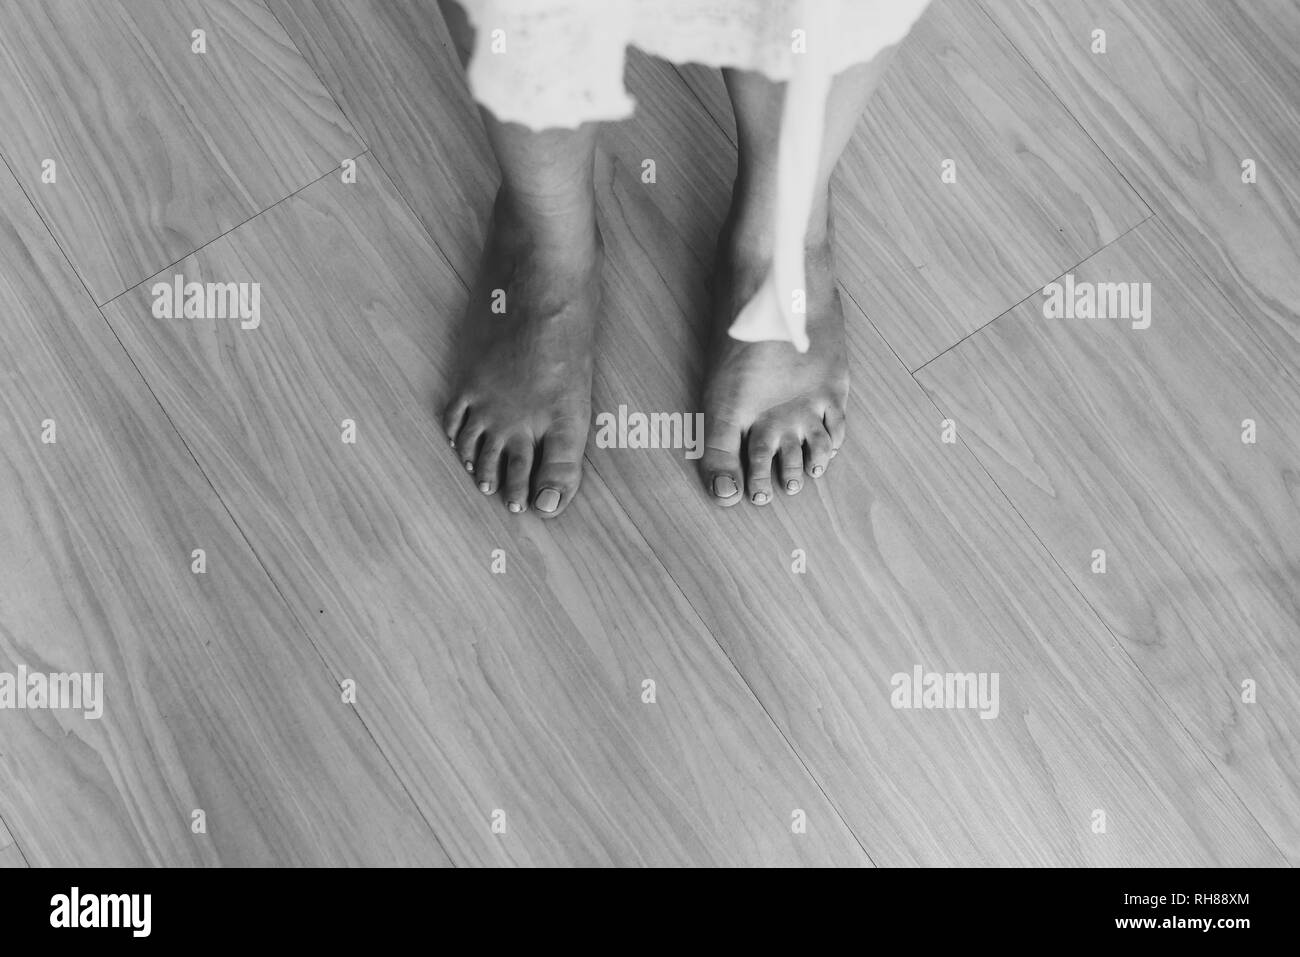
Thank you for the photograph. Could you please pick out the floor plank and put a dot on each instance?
(157, 149)
(914, 557)
(931, 262)
(1185, 92)
(213, 697)
(1128, 440)
(520, 691)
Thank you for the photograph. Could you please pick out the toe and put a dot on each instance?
(467, 442)
(452, 417)
(791, 464)
(519, 468)
(817, 451)
(487, 466)
(559, 473)
(762, 449)
(834, 419)
(720, 463)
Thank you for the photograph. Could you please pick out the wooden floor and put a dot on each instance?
(381, 666)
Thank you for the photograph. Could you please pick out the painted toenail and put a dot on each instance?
(515, 507)
(792, 486)
(469, 466)
(724, 486)
(817, 470)
(548, 500)
(760, 498)
(485, 488)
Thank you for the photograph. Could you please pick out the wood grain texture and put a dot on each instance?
(158, 149)
(519, 691)
(1185, 92)
(1128, 440)
(929, 262)
(214, 698)
(914, 557)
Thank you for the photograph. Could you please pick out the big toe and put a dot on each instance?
(720, 464)
(559, 472)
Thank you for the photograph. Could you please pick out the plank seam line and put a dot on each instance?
(14, 837)
(214, 239)
(1016, 305)
(704, 106)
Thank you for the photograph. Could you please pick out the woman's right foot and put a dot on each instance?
(521, 406)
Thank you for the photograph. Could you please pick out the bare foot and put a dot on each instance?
(521, 406)
(766, 406)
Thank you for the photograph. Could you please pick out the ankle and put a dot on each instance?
(561, 229)
(570, 208)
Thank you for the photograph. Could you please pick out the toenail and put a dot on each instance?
(792, 486)
(452, 443)
(485, 488)
(760, 498)
(724, 486)
(548, 500)
(817, 470)
(515, 507)
(469, 466)
(834, 452)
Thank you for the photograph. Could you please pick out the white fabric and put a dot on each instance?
(559, 63)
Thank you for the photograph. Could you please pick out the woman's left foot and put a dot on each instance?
(766, 406)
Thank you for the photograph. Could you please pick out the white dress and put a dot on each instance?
(559, 63)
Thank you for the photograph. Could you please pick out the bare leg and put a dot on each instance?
(767, 405)
(521, 407)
